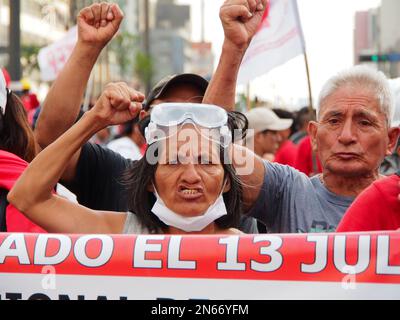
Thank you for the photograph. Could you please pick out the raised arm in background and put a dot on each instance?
(32, 193)
(97, 25)
(240, 20)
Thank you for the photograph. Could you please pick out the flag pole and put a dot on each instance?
(248, 100)
(311, 111)
(297, 17)
(310, 99)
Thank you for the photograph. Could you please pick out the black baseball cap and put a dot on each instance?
(169, 81)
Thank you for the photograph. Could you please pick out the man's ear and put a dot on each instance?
(312, 132)
(393, 135)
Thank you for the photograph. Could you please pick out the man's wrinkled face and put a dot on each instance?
(352, 137)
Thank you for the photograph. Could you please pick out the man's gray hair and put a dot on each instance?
(365, 77)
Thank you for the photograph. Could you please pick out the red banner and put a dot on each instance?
(324, 258)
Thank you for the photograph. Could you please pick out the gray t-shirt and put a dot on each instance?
(290, 202)
(133, 226)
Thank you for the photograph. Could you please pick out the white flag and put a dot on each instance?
(52, 59)
(278, 40)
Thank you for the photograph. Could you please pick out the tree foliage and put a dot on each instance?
(130, 59)
(29, 57)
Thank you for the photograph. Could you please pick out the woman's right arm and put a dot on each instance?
(32, 194)
(240, 20)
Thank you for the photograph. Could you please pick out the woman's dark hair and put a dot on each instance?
(141, 174)
(16, 135)
(238, 123)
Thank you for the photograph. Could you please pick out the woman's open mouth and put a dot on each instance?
(188, 193)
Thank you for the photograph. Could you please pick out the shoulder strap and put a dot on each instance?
(3, 207)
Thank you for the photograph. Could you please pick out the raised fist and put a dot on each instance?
(240, 20)
(98, 23)
(118, 104)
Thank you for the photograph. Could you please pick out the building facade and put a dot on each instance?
(201, 60)
(377, 34)
(390, 34)
(170, 33)
(41, 22)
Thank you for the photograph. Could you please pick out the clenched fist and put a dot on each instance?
(118, 104)
(240, 20)
(98, 23)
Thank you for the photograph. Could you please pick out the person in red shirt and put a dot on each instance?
(17, 148)
(11, 167)
(287, 151)
(307, 161)
(28, 98)
(376, 209)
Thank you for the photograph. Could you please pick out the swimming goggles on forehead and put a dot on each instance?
(173, 114)
(206, 118)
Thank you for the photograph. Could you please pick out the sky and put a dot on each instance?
(328, 31)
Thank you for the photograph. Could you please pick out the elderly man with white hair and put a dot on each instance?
(352, 136)
(378, 207)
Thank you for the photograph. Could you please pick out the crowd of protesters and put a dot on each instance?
(306, 172)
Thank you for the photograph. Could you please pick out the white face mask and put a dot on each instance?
(189, 224)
